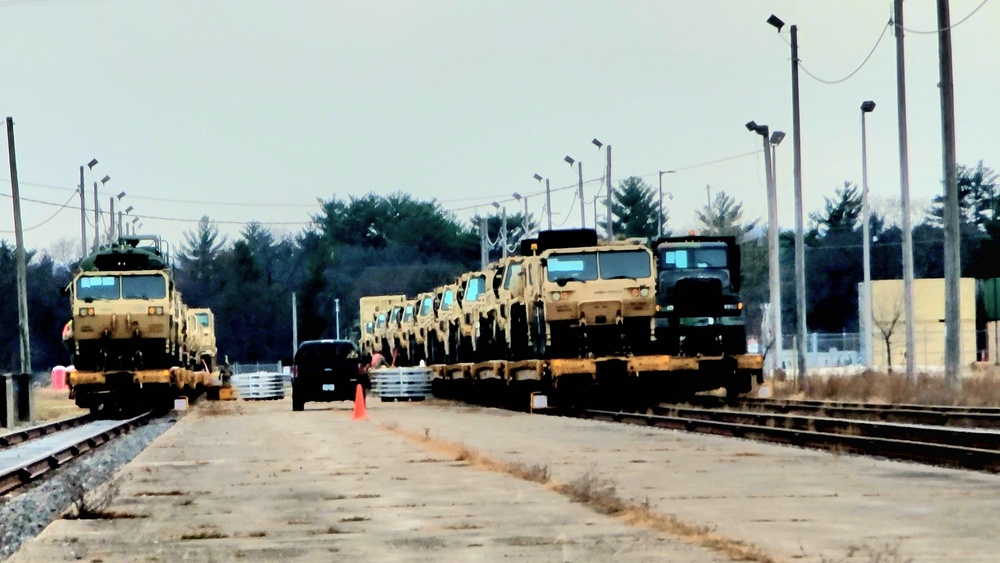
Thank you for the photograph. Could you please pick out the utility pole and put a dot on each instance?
(503, 233)
(22, 283)
(583, 208)
(611, 229)
(111, 222)
(295, 326)
(548, 203)
(800, 250)
(484, 252)
(904, 188)
(97, 220)
(83, 217)
(952, 256)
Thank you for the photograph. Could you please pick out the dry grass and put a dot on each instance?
(204, 533)
(599, 494)
(53, 405)
(981, 388)
(95, 504)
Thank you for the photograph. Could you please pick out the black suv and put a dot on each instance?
(327, 370)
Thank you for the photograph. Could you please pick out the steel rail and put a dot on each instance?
(885, 442)
(934, 415)
(39, 464)
(26, 434)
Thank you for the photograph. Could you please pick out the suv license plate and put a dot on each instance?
(328, 386)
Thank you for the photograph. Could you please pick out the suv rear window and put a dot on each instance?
(320, 352)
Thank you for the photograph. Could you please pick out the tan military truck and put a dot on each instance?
(401, 333)
(493, 325)
(472, 294)
(369, 309)
(445, 333)
(585, 298)
(423, 325)
(201, 335)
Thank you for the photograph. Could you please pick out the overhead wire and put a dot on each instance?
(855, 71)
(952, 26)
(62, 208)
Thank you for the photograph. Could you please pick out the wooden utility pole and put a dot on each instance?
(83, 218)
(97, 220)
(952, 241)
(22, 283)
(904, 189)
(800, 247)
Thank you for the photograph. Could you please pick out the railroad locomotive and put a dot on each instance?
(133, 340)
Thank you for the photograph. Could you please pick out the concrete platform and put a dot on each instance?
(255, 481)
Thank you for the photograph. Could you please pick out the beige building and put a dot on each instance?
(889, 322)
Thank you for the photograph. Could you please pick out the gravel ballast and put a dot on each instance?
(27, 511)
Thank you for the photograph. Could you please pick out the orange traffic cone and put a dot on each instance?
(360, 412)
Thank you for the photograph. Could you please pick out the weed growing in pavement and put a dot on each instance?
(596, 492)
(355, 519)
(173, 493)
(536, 473)
(885, 553)
(204, 533)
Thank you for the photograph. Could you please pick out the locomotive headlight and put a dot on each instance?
(556, 296)
(644, 292)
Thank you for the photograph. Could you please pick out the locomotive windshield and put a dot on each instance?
(694, 258)
(144, 287)
(91, 288)
(588, 266)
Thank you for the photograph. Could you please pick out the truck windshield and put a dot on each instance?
(313, 353)
(144, 287)
(475, 288)
(625, 264)
(408, 314)
(91, 288)
(447, 299)
(693, 258)
(512, 270)
(381, 320)
(202, 319)
(426, 306)
(578, 266)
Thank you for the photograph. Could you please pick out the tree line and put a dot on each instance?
(373, 244)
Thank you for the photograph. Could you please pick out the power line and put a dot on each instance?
(62, 208)
(952, 26)
(855, 71)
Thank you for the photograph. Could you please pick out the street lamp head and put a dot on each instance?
(759, 129)
(135, 220)
(497, 205)
(128, 209)
(538, 177)
(570, 160)
(92, 163)
(517, 196)
(105, 179)
(777, 137)
(121, 195)
(867, 106)
(776, 22)
(597, 143)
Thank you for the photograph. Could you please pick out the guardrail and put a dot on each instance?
(413, 383)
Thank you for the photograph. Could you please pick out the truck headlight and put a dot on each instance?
(644, 292)
(555, 296)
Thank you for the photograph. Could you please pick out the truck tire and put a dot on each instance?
(297, 405)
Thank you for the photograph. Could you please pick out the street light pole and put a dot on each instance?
(774, 271)
(524, 220)
(800, 249)
(610, 228)
(866, 303)
(336, 306)
(548, 200)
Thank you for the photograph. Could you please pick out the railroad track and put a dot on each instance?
(931, 415)
(25, 434)
(965, 448)
(26, 461)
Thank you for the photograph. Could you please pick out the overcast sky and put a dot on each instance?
(252, 109)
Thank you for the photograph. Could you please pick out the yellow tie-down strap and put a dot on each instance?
(750, 361)
(152, 376)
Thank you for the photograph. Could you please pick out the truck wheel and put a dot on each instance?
(297, 405)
